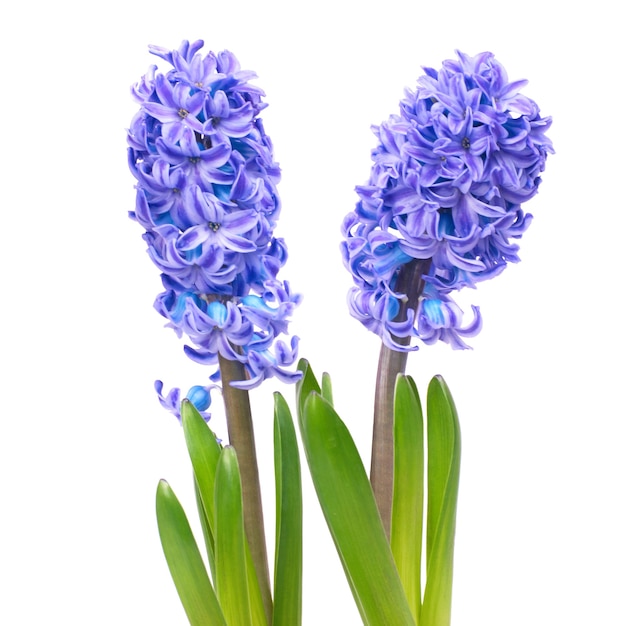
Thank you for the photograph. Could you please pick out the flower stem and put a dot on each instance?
(390, 364)
(241, 437)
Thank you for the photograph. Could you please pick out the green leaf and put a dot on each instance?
(306, 385)
(184, 561)
(288, 555)
(347, 501)
(444, 464)
(206, 529)
(231, 580)
(408, 490)
(327, 388)
(204, 451)
(257, 610)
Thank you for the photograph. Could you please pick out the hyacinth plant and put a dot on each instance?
(206, 197)
(441, 211)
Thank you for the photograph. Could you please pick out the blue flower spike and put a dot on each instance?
(448, 180)
(207, 199)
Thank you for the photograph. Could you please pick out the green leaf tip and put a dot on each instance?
(408, 490)
(184, 561)
(288, 545)
(444, 464)
(230, 548)
(348, 504)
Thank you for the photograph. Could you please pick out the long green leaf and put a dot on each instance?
(184, 561)
(347, 501)
(206, 529)
(257, 610)
(327, 388)
(231, 581)
(444, 464)
(304, 387)
(204, 451)
(408, 490)
(288, 555)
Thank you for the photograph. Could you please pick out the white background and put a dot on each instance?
(83, 440)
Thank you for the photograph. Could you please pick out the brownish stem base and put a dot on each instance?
(390, 364)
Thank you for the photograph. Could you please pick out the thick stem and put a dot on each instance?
(241, 437)
(390, 364)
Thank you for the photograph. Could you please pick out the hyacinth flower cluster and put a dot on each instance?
(448, 181)
(207, 199)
